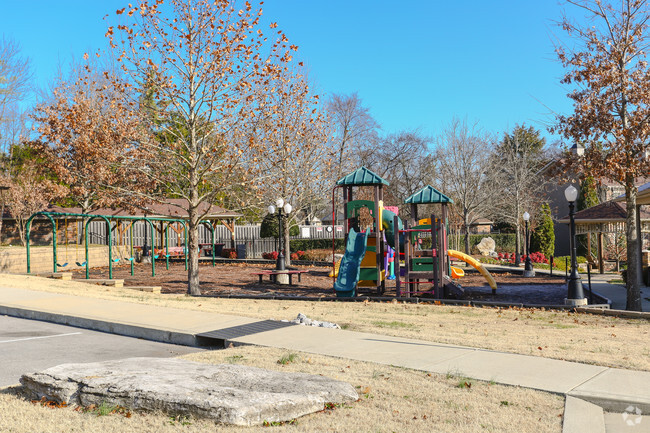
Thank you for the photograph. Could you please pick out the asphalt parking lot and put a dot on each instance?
(31, 345)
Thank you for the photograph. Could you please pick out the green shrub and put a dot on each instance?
(316, 244)
(269, 227)
(319, 255)
(562, 261)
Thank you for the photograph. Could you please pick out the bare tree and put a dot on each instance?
(402, 158)
(15, 85)
(15, 76)
(293, 153)
(517, 160)
(464, 168)
(354, 127)
(609, 71)
(210, 65)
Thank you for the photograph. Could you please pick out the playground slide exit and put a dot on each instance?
(476, 264)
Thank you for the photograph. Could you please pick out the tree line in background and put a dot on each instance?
(200, 101)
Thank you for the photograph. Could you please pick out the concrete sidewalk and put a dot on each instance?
(608, 388)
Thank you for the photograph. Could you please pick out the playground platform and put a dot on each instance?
(592, 389)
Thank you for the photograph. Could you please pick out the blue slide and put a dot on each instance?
(355, 250)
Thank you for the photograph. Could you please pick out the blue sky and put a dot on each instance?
(415, 64)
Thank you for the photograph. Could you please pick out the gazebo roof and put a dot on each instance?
(426, 195)
(361, 177)
(606, 217)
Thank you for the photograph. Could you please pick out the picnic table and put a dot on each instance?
(207, 249)
(274, 273)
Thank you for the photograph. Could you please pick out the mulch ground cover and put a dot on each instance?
(238, 279)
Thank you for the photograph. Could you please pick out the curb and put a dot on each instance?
(616, 313)
(172, 337)
(582, 416)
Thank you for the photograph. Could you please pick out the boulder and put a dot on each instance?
(228, 394)
(486, 246)
(301, 319)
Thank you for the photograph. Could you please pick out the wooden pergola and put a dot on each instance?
(608, 217)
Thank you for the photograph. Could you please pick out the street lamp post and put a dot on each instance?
(528, 266)
(575, 294)
(282, 208)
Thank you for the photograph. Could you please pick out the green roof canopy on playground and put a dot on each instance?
(427, 195)
(362, 176)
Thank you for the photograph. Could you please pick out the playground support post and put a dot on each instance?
(396, 259)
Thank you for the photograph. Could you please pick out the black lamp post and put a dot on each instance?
(286, 207)
(528, 266)
(575, 295)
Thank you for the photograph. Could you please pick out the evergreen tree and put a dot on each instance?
(269, 227)
(588, 194)
(543, 237)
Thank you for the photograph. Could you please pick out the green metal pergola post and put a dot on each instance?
(110, 244)
(167, 245)
(209, 226)
(28, 228)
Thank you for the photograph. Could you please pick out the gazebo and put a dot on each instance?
(642, 199)
(608, 217)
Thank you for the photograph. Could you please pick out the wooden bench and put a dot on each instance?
(272, 274)
(173, 252)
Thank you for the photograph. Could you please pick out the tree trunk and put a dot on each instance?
(193, 287)
(517, 244)
(2, 212)
(633, 268)
(466, 224)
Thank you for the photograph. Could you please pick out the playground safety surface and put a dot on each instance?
(237, 279)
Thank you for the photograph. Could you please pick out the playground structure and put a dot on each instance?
(424, 248)
(363, 262)
(377, 246)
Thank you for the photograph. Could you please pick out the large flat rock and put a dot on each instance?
(229, 394)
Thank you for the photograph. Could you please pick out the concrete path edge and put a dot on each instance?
(172, 337)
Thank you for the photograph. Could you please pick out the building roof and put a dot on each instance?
(642, 197)
(362, 176)
(428, 194)
(482, 222)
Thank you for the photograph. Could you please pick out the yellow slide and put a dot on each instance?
(335, 271)
(476, 264)
(457, 272)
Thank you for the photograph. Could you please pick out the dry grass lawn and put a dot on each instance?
(599, 340)
(392, 400)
